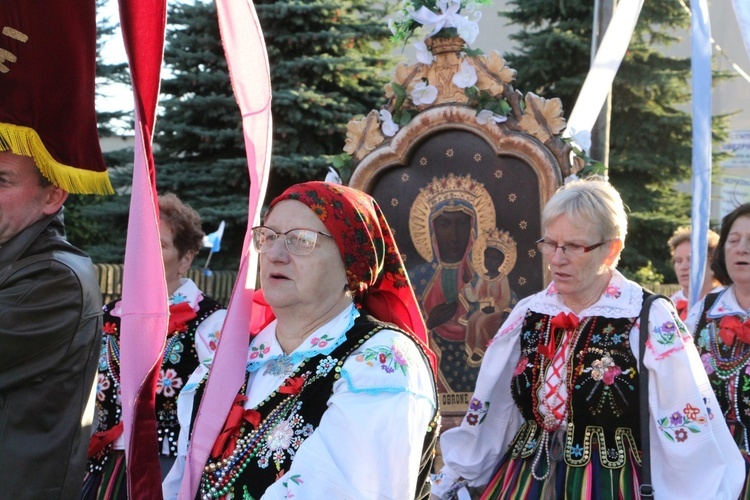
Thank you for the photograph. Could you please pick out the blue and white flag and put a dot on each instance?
(213, 240)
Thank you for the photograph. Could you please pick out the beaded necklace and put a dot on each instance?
(726, 368)
(548, 422)
(219, 477)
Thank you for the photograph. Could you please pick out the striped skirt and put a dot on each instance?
(514, 480)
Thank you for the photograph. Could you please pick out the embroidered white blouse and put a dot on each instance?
(369, 442)
(473, 450)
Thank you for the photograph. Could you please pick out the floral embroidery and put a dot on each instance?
(284, 439)
(102, 384)
(174, 351)
(390, 358)
(676, 426)
(296, 479)
(703, 339)
(551, 289)
(259, 351)
(577, 451)
(612, 292)
(109, 328)
(320, 342)
(178, 298)
(706, 359)
(605, 369)
(477, 412)
(168, 383)
(326, 365)
(666, 334)
(521, 366)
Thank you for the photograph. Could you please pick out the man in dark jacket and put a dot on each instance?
(50, 324)
(50, 302)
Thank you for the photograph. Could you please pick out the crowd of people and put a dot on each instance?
(337, 392)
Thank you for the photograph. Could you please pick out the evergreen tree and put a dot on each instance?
(650, 140)
(325, 69)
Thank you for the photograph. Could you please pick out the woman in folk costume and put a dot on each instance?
(721, 324)
(555, 413)
(339, 397)
(195, 321)
(679, 248)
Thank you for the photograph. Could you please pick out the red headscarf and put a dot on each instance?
(374, 267)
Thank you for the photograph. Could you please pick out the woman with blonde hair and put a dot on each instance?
(555, 413)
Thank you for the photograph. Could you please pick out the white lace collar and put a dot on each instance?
(621, 299)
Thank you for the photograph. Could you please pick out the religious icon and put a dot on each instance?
(451, 222)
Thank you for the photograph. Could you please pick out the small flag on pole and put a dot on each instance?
(213, 240)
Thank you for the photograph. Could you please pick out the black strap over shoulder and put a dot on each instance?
(647, 488)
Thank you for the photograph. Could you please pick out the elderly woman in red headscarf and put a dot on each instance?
(339, 397)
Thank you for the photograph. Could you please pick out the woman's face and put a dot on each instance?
(452, 232)
(737, 252)
(301, 284)
(682, 265)
(580, 279)
(175, 266)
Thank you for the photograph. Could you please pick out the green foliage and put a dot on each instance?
(650, 140)
(328, 62)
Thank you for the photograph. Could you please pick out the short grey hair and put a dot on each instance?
(593, 200)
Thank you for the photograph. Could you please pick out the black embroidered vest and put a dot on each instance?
(178, 363)
(264, 454)
(602, 388)
(727, 368)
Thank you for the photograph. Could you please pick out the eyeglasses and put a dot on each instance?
(297, 241)
(550, 247)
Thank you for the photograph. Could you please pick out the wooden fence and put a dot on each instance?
(219, 284)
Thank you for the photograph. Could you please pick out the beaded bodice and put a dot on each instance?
(268, 442)
(728, 367)
(178, 363)
(602, 390)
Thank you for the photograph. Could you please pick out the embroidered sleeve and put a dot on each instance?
(388, 362)
(472, 450)
(685, 419)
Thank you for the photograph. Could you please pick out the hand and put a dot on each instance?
(441, 313)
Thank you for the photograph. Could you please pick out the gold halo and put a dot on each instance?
(495, 238)
(448, 189)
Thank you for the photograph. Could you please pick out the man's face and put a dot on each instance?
(22, 200)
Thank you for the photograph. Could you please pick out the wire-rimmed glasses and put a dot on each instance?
(297, 241)
(550, 247)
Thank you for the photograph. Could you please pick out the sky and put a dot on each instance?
(113, 97)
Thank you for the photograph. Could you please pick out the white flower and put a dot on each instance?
(434, 22)
(423, 94)
(389, 127)
(484, 117)
(582, 138)
(468, 30)
(466, 76)
(423, 53)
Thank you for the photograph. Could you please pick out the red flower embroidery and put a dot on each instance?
(109, 328)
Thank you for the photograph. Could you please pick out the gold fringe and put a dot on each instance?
(25, 141)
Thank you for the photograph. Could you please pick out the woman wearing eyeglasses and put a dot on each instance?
(339, 399)
(555, 413)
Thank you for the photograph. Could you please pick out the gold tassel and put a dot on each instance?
(26, 142)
